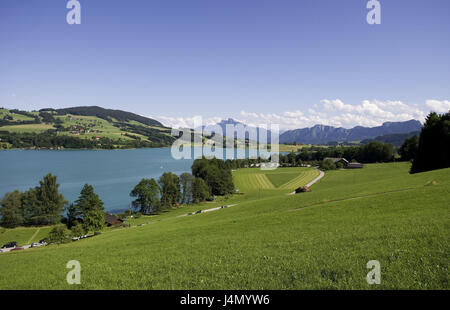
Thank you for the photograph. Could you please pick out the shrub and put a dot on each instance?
(58, 235)
(327, 165)
(77, 230)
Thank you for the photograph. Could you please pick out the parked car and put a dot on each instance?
(17, 248)
(1, 251)
(199, 211)
(36, 244)
(9, 245)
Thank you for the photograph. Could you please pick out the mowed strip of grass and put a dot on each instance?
(278, 179)
(252, 179)
(301, 180)
(248, 182)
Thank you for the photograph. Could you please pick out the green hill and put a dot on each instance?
(269, 240)
(80, 127)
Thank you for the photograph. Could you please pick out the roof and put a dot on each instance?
(112, 219)
(355, 165)
(336, 159)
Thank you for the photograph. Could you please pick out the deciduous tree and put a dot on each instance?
(148, 196)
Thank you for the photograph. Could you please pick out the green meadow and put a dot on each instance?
(23, 235)
(268, 240)
(251, 179)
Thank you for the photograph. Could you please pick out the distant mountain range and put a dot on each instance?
(321, 134)
(132, 127)
(396, 139)
(259, 132)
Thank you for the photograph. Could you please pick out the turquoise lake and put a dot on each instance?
(113, 173)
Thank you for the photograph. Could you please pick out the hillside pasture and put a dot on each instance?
(317, 240)
(15, 117)
(29, 128)
(20, 234)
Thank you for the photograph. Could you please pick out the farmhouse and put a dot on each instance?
(111, 220)
(354, 166)
(337, 160)
(345, 162)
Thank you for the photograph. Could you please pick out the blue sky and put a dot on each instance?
(293, 62)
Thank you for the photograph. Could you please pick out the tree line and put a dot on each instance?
(50, 139)
(41, 205)
(432, 150)
(371, 152)
(44, 205)
(209, 178)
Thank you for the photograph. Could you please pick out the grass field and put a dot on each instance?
(317, 240)
(27, 128)
(23, 235)
(16, 117)
(251, 179)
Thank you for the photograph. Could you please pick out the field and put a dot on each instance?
(27, 128)
(295, 148)
(269, 240)
(16, 117)
(23, 235)
(248, 180)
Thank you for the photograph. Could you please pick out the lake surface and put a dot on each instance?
(113, 173)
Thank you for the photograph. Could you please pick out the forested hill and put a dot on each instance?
(80, 127)
(106, 114)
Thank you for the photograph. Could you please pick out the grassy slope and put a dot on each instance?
(23, 235)
(105, 128)
(16, 117)
(27, 128)
(321, 239)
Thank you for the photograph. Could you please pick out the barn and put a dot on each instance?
(111, 220)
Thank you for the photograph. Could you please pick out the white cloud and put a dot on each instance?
(186, 122)
(439, 106)
(332, 112)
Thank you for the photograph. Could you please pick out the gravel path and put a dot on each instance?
(321, 174)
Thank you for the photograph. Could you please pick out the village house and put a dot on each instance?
(336, 160)
(111, 220)
(345, 163)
